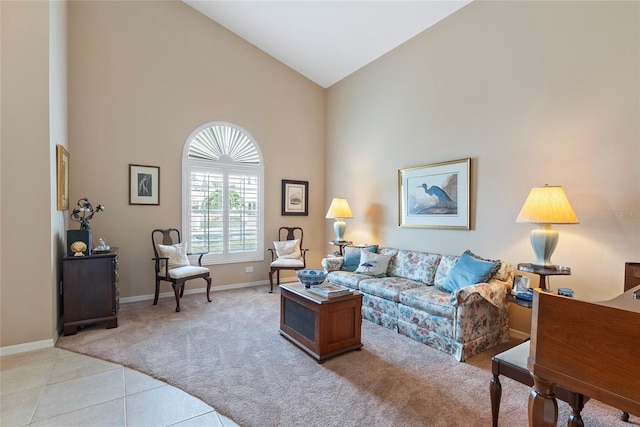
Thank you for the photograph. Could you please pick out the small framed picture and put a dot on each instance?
(520, 283)
(144, 185)
(295, 200)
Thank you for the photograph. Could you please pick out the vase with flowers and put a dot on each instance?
(82, 213)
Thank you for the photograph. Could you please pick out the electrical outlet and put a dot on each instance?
(248, 269)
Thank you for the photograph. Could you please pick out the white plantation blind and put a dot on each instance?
(223, 195)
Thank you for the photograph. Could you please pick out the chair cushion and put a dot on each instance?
(288, 249)
(177, 254)
(469, 270)
(288, 263)
(373, 264)
(182, 272)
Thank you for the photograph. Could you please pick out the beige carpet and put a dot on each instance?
(229, 353)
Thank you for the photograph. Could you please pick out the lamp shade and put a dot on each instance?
(339, 209)
(547, 205)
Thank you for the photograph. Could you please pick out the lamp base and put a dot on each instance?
(339, 226)
(544, 241)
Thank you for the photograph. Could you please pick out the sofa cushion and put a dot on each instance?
(392, 252)
(429, 299)
(444, 268)
(415, 265)
(346, 278)
(352, 256)
(373, 264)
(469, 270)
(388, 287)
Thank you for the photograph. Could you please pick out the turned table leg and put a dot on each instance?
(543, 407)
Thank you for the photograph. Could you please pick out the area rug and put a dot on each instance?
(230, 354)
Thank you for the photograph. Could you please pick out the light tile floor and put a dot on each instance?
(55, 387)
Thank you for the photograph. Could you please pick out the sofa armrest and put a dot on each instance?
(495, 292)
(332, 263)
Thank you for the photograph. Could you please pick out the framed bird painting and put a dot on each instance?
(435, 195)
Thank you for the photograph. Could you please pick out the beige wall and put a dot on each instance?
(534, 93)
(30, 223)
(142, 77)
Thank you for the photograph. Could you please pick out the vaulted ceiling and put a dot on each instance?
(327, 40)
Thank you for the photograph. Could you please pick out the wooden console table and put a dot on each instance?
(322, 327)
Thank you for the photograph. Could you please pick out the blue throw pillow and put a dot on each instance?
(469, 270)
(352, 256)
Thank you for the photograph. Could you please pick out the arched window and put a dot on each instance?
(222, 178)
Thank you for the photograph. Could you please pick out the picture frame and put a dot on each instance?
(435, 195)
(144, 185)
(295, 197)
(62, 178)
(520, 283)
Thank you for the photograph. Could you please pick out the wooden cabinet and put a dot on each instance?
(90, 291)
(322, 327)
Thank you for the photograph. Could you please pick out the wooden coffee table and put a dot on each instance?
(322, 327)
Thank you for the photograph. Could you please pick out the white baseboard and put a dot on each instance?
(519, 334)
(28, 346)
(148, 297)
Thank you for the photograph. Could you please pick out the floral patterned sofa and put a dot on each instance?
(411, 298)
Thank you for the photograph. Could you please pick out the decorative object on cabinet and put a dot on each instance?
(546, 206)
(62, 181)
(74, 238)
(295, 197)
(172, 263)
(287, 253)
(144, 185)
(90, 290)
(102, 248)
(78, 248)
(84, 212)
(339, 210)
(435, 195)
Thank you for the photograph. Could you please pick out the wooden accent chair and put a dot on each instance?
(172, 264)
(287, 254)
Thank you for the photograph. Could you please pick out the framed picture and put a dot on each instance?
(144, 185)
(435, 195)
(295, 197)
(62, 177)
(520, 283)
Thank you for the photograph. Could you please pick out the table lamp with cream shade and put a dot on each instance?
(339, 210)
(546, 206)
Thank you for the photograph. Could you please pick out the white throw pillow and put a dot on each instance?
(177, 254)
(373, 264)
(288, 249)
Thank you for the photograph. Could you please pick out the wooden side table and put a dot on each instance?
(543, 272)
(341, 244)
